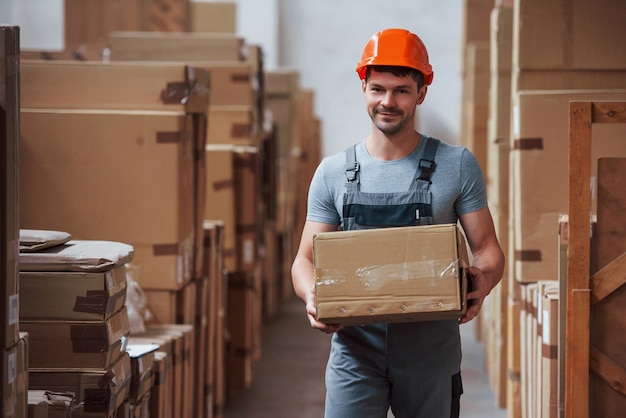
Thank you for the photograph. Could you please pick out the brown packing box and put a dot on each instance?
(476, 101)
(568, 79)
(233, 83)
(232, 197)
(235, 125)
(475, 21)
(172, 306)
(101, 391)
(134, 171)
(166, 362)
(9, 173)
(216, 312)
(22, 374)
(77, 344)
(282, 87)
(539, 173)
(240, 325)
(214, 16)
(114, 85)
(167, 15)
(14, 372)
(569, 34)
(390, 274)
(89, 22)
(201, 348)
(72, 295)
(549, 359)
(183, 336)
(142, 357)
(170, 46)
(159, 393)
(50, 404)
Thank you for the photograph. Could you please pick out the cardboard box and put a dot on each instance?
(236, 125)
(101, 391)
(475, 25)
(549, 351)
(9, 174)
(172, 306)
(183, 336)
(240, 323)
(160, 395)
(14, 372)
(282, 87)
(72, 295)
(231, 195)
(539, 174)
(142, 358)
(166, 363)
(569, 34)
(114, 85)
(214, 16)
(131, 171)
(49, 404)
(77, 344)
(179, 46)
(390, 274)
(89, 22)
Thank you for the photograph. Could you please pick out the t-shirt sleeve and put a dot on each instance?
(321, 204)
(473, 190)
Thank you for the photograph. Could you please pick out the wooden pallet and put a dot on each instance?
(582, 289)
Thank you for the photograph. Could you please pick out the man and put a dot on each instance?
(414, 368)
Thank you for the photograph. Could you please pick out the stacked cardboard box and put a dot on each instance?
(74, 312)
(12, 344)
(543, 55)
(142, 359)
(144, 142)
(211, 324)
(88, 23)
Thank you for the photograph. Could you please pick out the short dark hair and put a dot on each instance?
(398, 72)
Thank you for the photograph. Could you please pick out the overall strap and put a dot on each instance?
(352, 169)
(427, 164)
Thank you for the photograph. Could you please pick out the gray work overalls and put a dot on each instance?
(412, 367)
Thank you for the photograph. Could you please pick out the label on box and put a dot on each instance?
(516, 121)
(12, 367)
(546, 327)
(14, 309)
(248, 251)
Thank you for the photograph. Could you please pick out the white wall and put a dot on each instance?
(40, 22)
(323, 39)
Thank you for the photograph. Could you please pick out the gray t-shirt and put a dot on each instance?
(458, 186)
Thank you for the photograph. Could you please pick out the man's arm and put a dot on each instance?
(488, 259)
(302, 273)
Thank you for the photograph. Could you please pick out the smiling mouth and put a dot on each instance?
(388, 113)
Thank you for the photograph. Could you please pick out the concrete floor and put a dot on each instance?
(289, 378)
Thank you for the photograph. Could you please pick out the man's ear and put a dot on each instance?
(363, 85)
(421, 94)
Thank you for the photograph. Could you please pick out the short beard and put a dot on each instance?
(389, 129)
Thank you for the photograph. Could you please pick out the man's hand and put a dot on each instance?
(478, 288)
(311, 312)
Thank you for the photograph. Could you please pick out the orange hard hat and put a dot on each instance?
(396, 47)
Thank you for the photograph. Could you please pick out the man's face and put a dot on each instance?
(391, 101)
